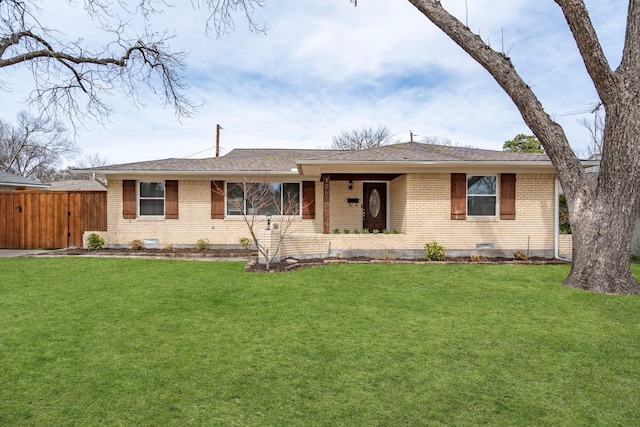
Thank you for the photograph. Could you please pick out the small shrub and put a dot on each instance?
(376, 231)
(356, 231)
(434, 251)
(245, 242)
(346, 231)
(519, 255)
(95, 241)
(388, 256)
(395, 232)
(202, 244)
(365, 231)
(385, 231)
(565, 226)
(169, 248)
(336, 231)
(476, 258)
(137, 245)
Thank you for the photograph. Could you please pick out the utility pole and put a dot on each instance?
(410, 136)
(218, 127)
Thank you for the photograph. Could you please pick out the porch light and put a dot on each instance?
(268, 221)
(350, 184)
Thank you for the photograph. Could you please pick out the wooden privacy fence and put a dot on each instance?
(48, 219)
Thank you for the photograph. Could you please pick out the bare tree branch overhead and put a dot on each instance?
(73, 77)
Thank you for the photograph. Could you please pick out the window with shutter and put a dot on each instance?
(151, 198)
(481, 195)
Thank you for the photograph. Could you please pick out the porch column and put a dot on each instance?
(326, 226)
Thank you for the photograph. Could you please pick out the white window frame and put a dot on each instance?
(244, 202)
(496, 195)
(141, 198)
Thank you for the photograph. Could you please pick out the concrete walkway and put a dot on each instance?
(24, 253)
(17, 253)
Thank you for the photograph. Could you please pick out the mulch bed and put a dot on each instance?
(161, 253)
(296, 264)
(286, 264)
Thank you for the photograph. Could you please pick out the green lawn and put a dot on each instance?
(152, 342)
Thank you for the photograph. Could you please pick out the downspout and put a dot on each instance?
(556, 222)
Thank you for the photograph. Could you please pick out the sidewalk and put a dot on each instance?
(17, 253)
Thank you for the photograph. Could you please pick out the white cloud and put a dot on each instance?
(326, 66)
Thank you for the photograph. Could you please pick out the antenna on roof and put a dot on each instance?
(218, 127)
(410, 136)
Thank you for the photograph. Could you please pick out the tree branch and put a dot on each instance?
(577, 17)
(630, 65)
(550, 133)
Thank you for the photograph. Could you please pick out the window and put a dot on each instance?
(151, 198)
(252, 198)
(481, 195)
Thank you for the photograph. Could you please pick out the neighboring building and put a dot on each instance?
(469, 200)
(77, 185)
(11, 182)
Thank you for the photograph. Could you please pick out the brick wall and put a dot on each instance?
(419, 208)
(194, 200)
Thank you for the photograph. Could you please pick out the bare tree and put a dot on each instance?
(92, 161)
(440, 140)
(72, 77)
(367, 137)
(596, 131)
(87, 161)
(257, 203)
(34, 147)
(602, 217)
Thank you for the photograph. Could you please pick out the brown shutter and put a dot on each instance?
(458, 196)
(508, 196)
(171, 199)
(308, 200)
(217, 199)
(129, 199)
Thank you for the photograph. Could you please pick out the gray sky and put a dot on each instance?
(326, 66)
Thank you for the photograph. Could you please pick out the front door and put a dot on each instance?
(375, 205)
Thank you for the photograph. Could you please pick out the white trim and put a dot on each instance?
(496, 195)
(164, 200)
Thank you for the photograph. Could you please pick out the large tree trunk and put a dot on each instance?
(603, 226)
(602, 217)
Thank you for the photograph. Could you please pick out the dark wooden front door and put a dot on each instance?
(374, 203)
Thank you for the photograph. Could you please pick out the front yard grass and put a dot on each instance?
(153, 342)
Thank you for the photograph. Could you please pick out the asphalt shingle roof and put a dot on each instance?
(415, 151)
(284, 160)
(77, 185)
(11, 179)
(236, 160)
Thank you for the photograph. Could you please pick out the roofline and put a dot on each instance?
(585, 163)
(21, 184)
(302, 163)
(178, 172)
(437, 162)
